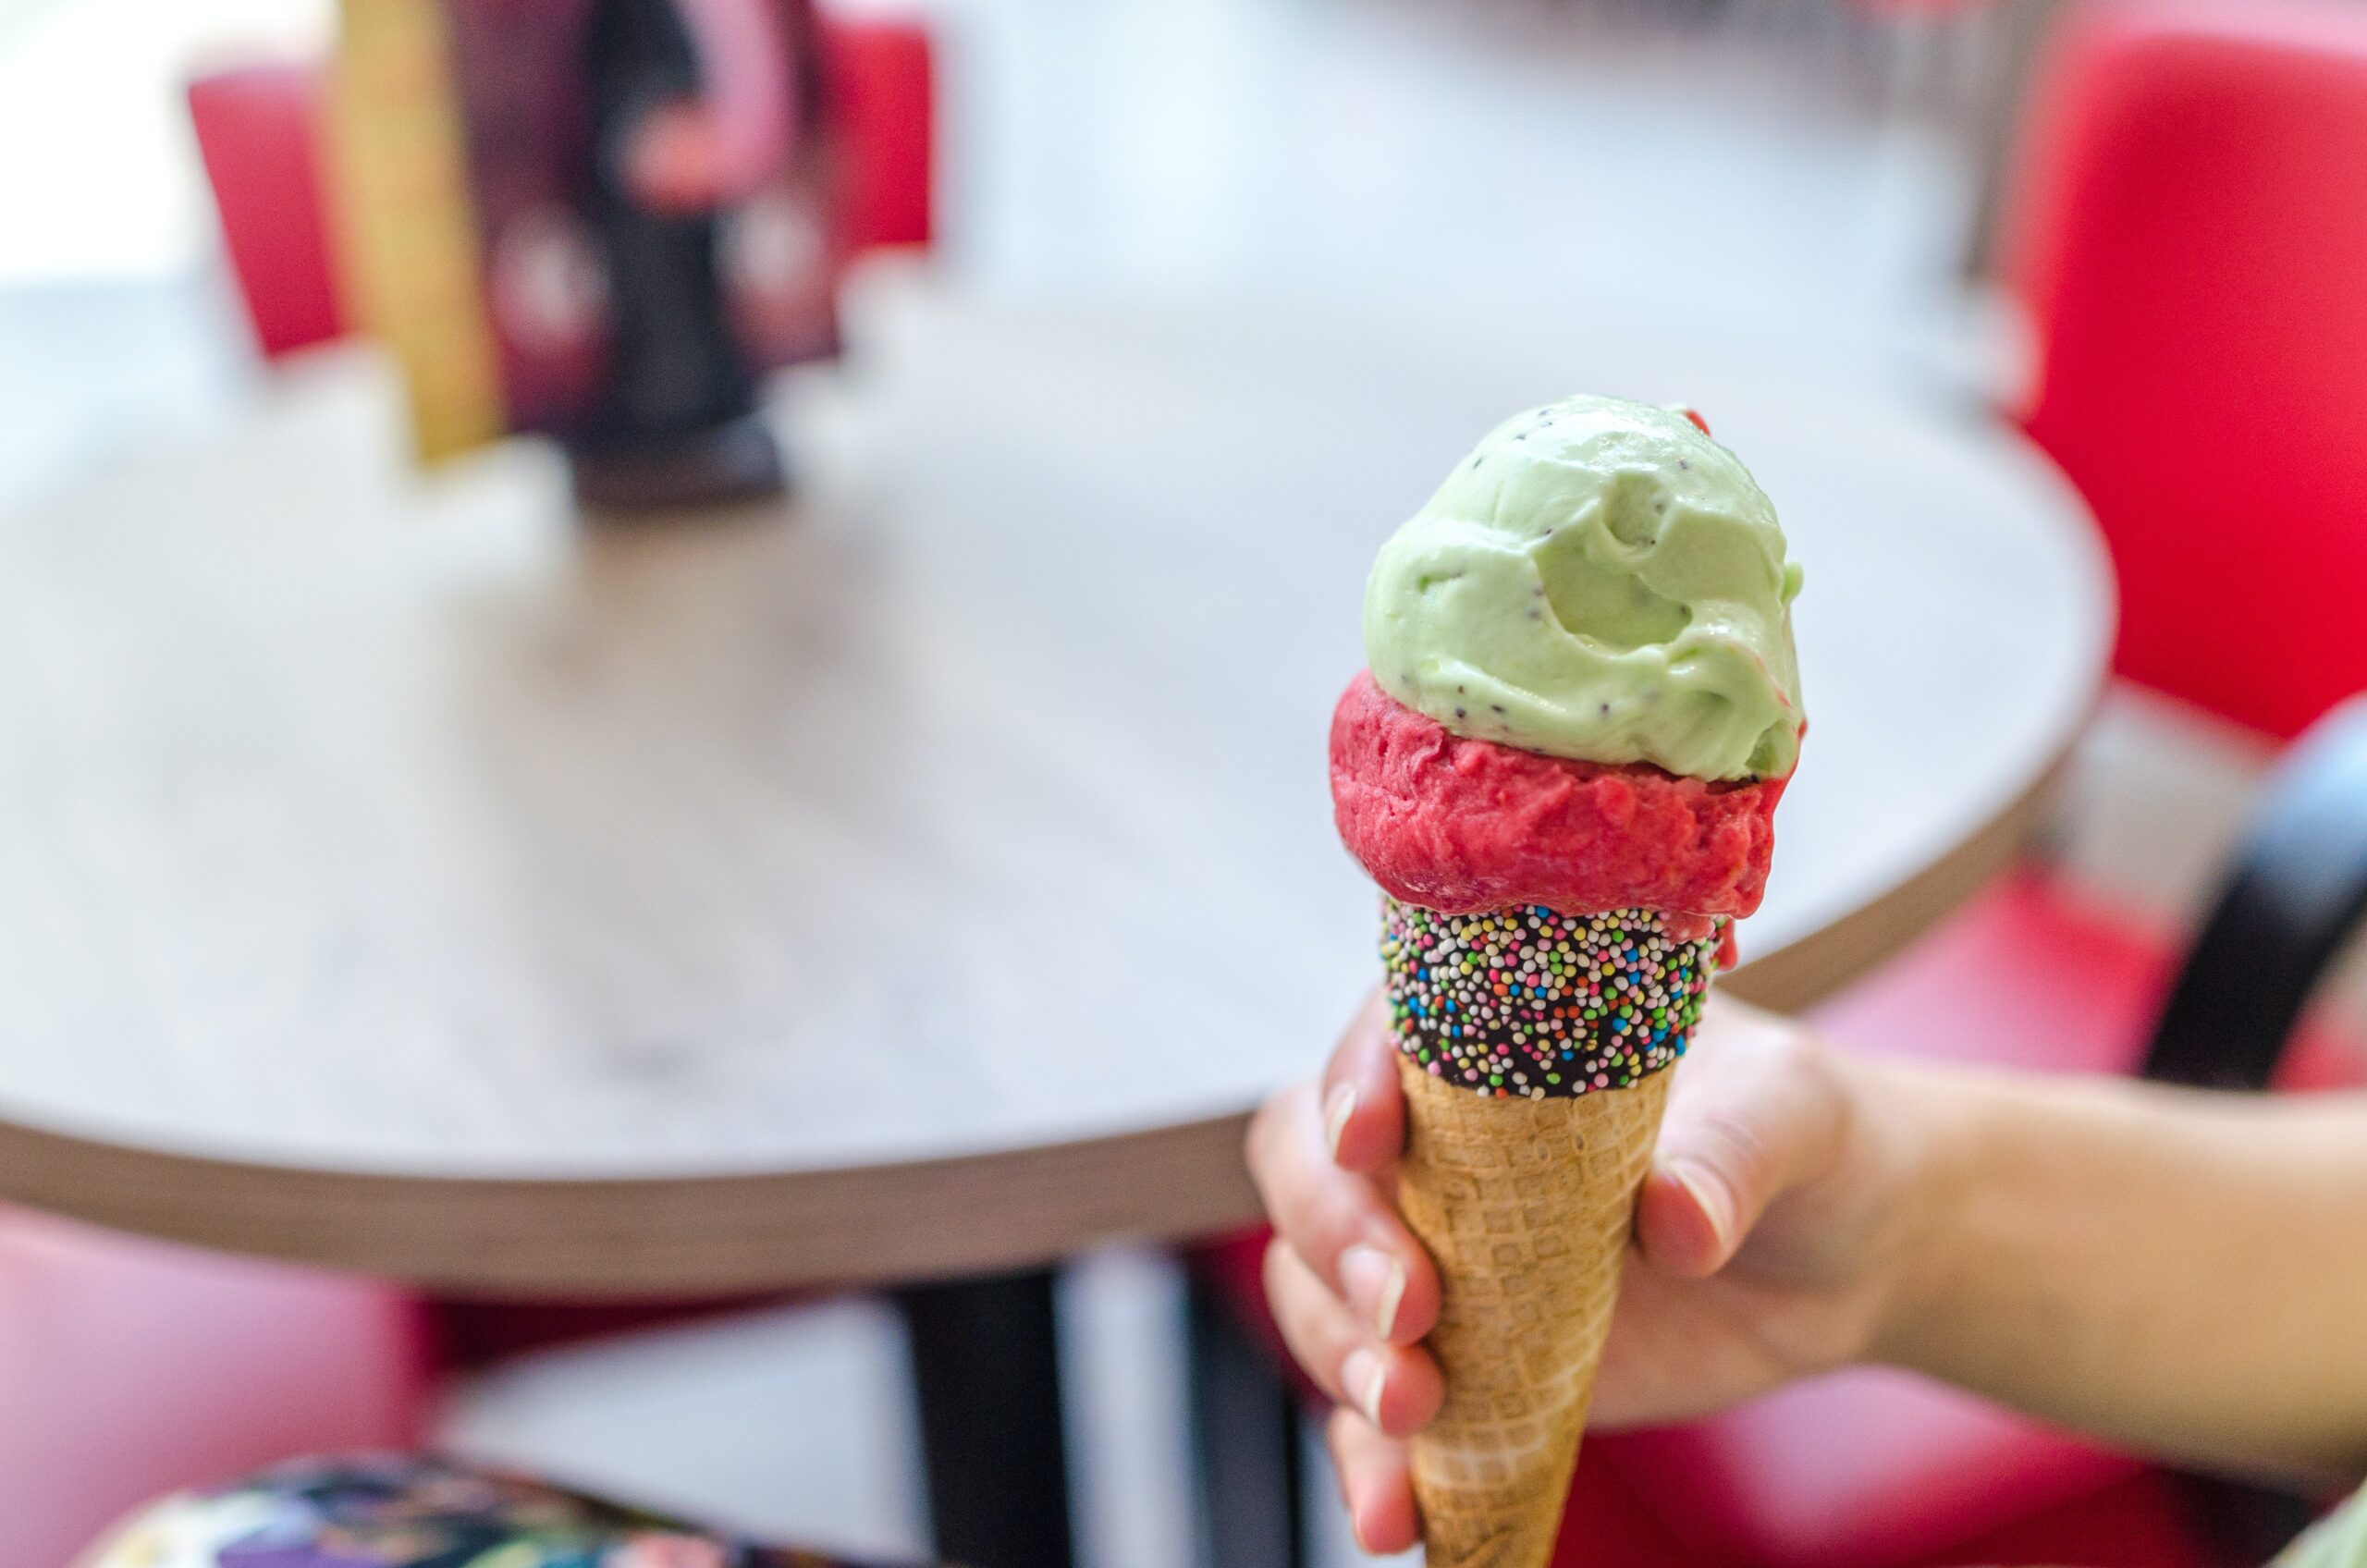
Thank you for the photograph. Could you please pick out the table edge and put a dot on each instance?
(670, 1236)
(674, 1236)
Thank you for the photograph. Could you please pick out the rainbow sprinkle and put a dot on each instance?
(1528, 1001)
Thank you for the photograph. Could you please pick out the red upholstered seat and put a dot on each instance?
(2189, 236)
(1860, 1469)
(2037, 974)
(130, 1369)
(258, 131)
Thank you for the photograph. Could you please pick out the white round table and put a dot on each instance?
(924, 879)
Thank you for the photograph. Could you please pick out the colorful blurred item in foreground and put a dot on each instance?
(604, 220)
(397, 1511)
(1561, 768)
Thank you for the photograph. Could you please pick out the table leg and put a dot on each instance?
(1245, 1442)
(986, 1359)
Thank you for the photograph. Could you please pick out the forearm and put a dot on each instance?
(2178, 1271)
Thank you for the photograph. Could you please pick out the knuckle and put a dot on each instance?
(1264, 1146)
(1254, 1139)
(1797, 1054)
(1275, 1269)
(1737, 1140)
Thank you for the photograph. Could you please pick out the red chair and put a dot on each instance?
(2192, 218)
(2191, 227)
(130, 1369)
(258, 132)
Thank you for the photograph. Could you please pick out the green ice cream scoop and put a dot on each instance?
(1597, 579)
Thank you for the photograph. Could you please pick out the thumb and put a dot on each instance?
(1750, 1114)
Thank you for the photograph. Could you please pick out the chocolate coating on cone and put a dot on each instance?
(1535, 1003)
(1527, 1206)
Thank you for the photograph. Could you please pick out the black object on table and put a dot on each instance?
(678, 423)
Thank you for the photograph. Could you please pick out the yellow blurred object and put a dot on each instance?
(409, 257)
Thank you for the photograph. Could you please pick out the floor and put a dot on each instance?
(798, 1423)
(1748, 163)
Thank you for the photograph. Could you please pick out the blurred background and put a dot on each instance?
(1809, 184)
(1812, 171)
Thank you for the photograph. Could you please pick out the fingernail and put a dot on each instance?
(1710, 1194)
(1392, 1293)
(1376, 1282)
(1364, 1378)
(1337, 1106)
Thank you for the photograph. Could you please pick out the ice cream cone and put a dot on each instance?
(1580, 708)
(1526, 1206)
(1534, 1049)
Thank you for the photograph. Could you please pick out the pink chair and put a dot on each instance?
(131, 1367)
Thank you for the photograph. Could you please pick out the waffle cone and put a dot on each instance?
(1527, 1204)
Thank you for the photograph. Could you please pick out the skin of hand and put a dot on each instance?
(1771, 1235)
(2177, 1272)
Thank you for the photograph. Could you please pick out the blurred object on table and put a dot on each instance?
(599, 220)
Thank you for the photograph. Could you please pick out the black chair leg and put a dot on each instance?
(986, 1360)
(2247, 1523)
(1245, 1445)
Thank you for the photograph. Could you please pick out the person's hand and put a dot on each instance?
(1771, 1237)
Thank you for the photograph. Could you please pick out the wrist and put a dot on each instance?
(1934, 1124)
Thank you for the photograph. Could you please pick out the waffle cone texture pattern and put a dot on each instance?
(1527, 1206)
(1534, 1049)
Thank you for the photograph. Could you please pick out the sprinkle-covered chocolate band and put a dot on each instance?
(1527, 1001)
